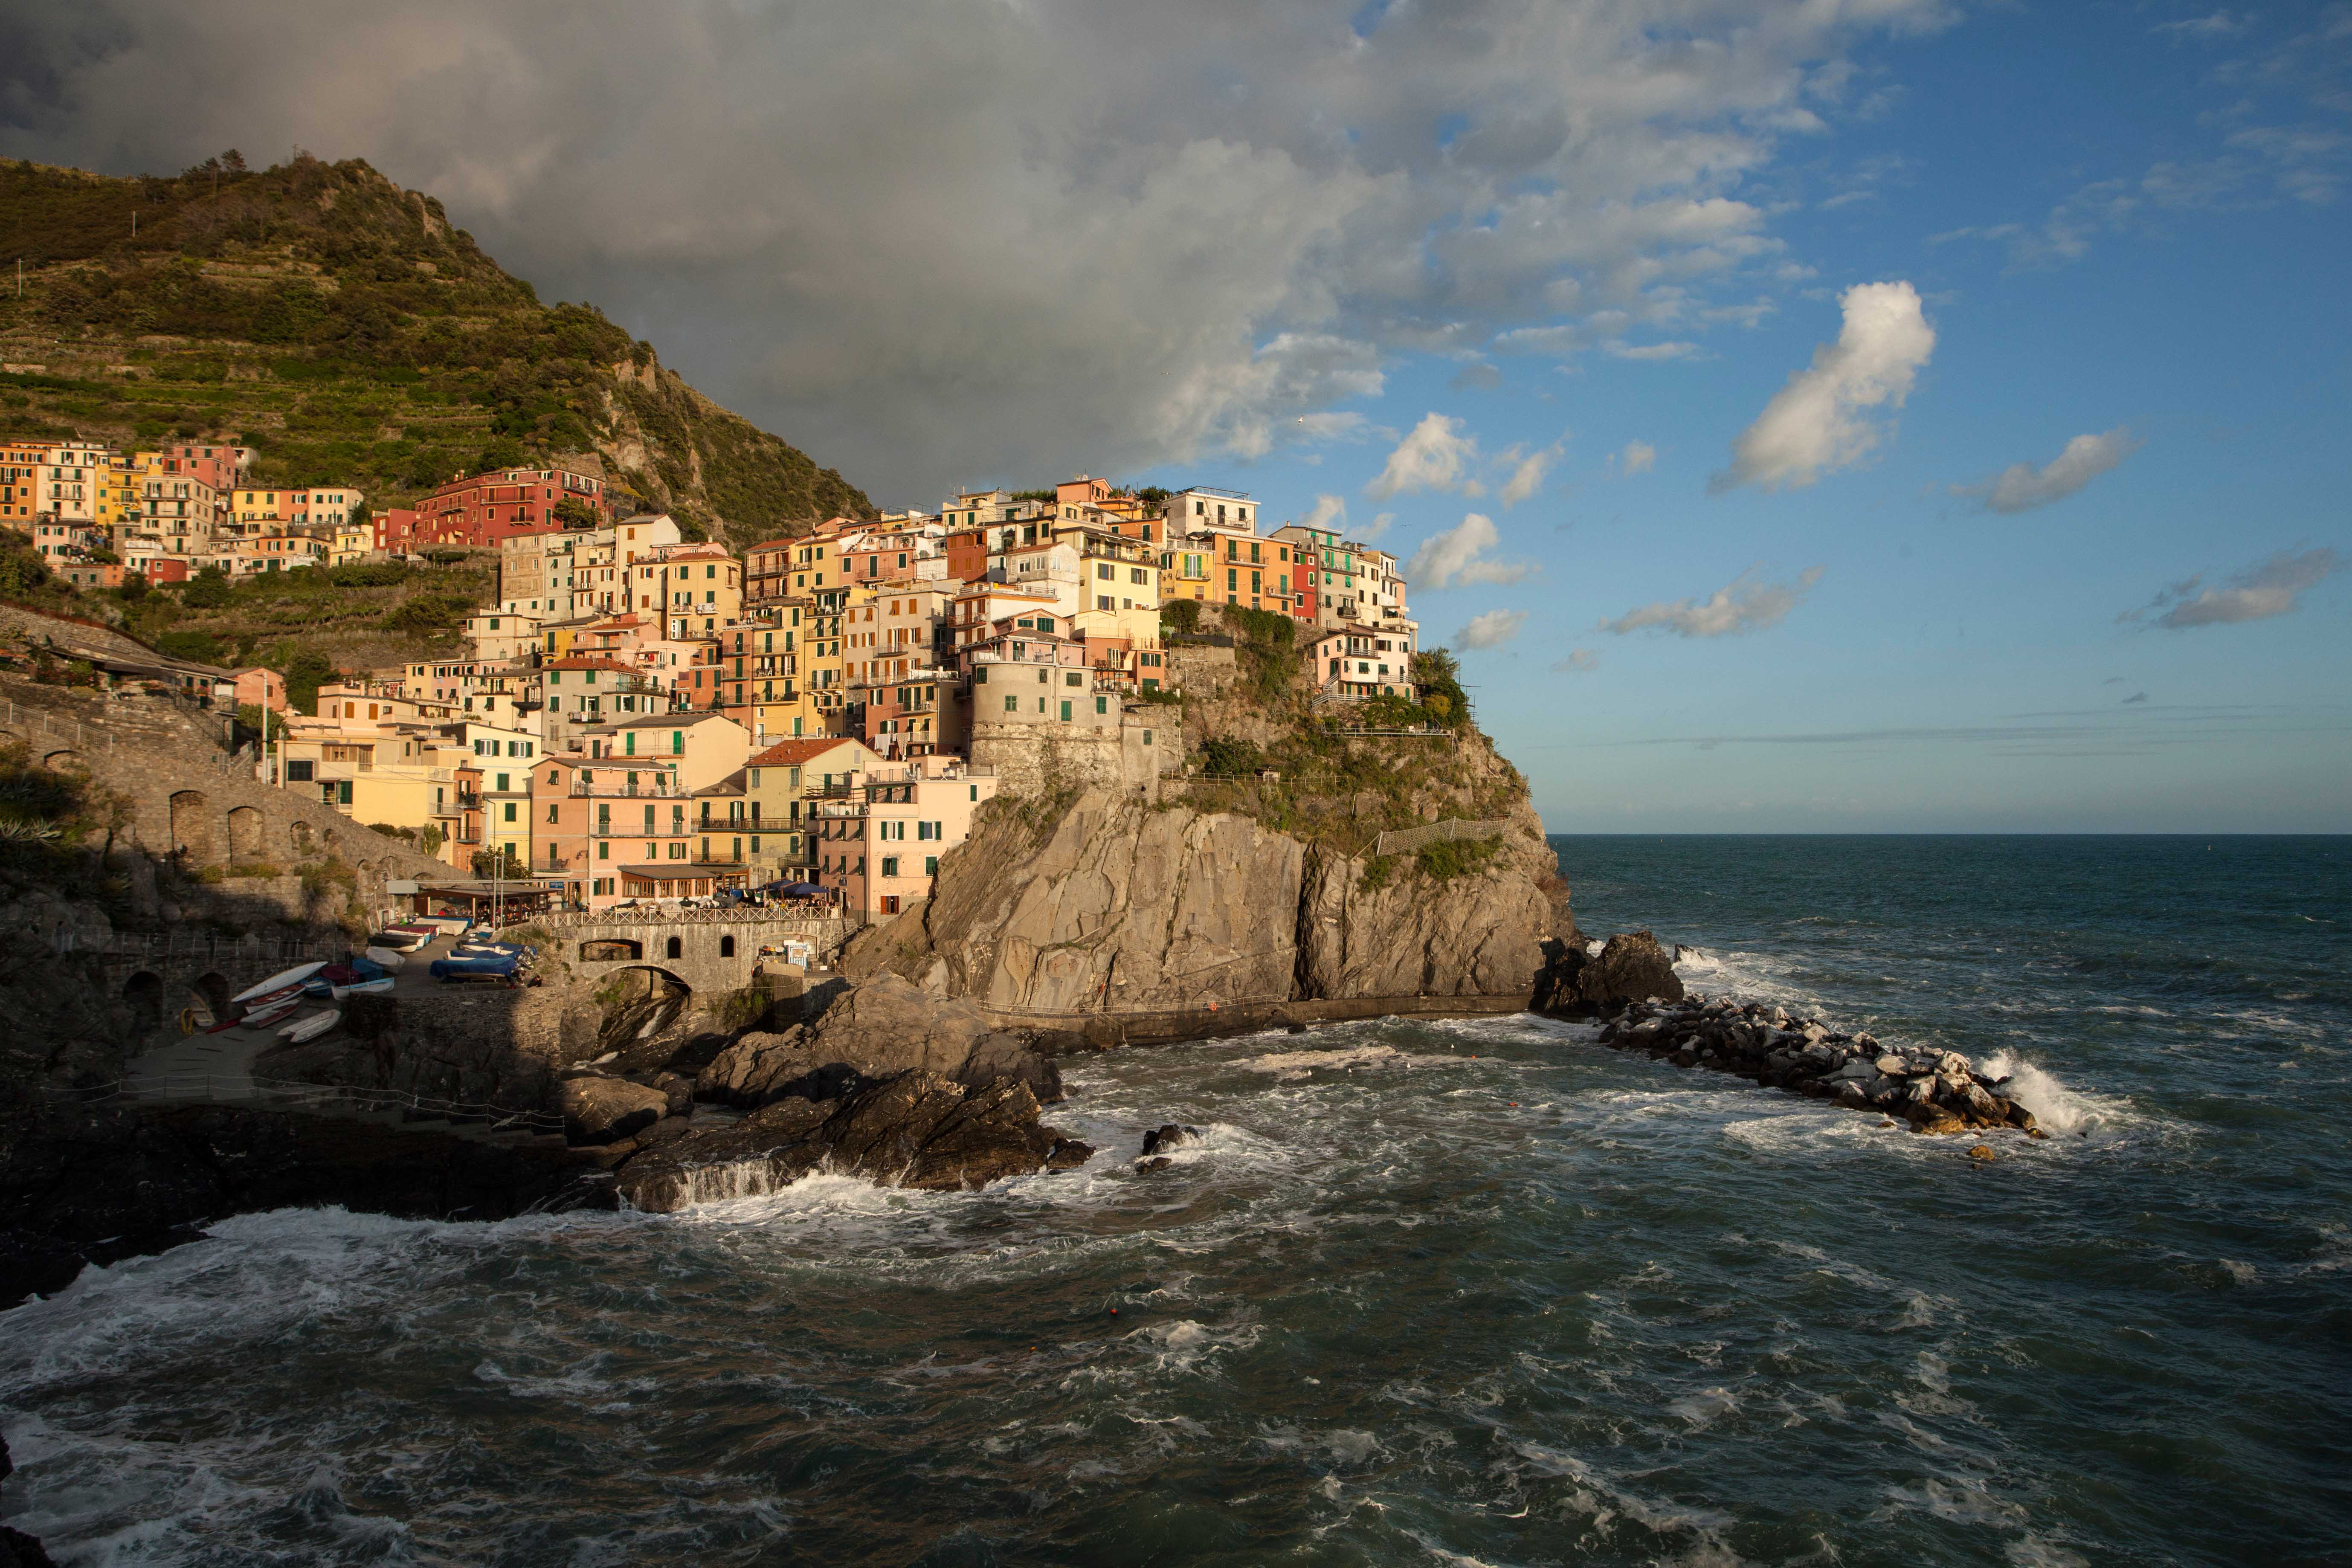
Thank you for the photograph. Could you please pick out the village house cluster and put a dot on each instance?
(644, 717)
(96, 513)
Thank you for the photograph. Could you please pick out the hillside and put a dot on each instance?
(347, 330)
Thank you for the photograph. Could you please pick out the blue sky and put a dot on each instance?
(1952, 668)
(1925, 414)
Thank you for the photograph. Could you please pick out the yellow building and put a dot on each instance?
(780, 787)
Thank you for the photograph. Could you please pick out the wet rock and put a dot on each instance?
(1157, 1163)
(1169, 1135)
(1983, 1152)
(18, 1549)
(917, 1130)
(608, 1109)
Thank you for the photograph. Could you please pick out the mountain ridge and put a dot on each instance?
(343, 327)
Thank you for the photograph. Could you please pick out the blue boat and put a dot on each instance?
(487, 966)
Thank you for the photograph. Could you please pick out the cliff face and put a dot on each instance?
(1119, 911)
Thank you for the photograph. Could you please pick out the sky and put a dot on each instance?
(1843, 415)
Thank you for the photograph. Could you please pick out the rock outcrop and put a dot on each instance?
(606, 1109)
(1632, 967)
(1118, 909)
(917, 1130)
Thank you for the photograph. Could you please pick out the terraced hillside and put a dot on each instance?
(345, 329)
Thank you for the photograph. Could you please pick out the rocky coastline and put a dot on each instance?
(1935, 1092)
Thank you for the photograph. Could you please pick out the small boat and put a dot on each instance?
(294, 976)
(261, 1018)
(402, 939)
(311, 1027)
(384, 958)
(486, 965)
(376, 987)
(278, 999)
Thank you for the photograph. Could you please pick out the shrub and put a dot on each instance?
(252, 868)
(1181, 614)
(1451, 858)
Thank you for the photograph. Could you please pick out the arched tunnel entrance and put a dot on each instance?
(144, 992)
(639, 1004)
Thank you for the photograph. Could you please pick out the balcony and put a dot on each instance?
(624, 790)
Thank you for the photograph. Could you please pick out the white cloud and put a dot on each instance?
(1451, 559)
(1743, 605)
(1619, 348)
(2273, 588)
(1638, 458)
(1527, 475)
(829, 212)
(2021, 486)
(1492, 629)
(1578, 661)
(1378, 526)
(1819, 422)
(1437, 455)
(2219, 25)
(1330, 512)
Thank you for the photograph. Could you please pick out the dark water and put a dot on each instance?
(1477, 1293)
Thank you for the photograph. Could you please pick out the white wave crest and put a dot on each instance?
(2062, 1112)
(1291, 1066)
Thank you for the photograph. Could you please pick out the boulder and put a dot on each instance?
(1629, 968)
(1004, 1054)
(606, 1109)
(890, 1026)
(1170, 1135)
(915, 1129)
(758, 1068)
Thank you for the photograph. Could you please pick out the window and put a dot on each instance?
(1147, 737)
(726, 947)
(889, 865)
(1012, 705)
(677, 849)
(510, 811)
(1066, 713)
(673, 948)
(551, 811)
(678, 743)
(297, 771)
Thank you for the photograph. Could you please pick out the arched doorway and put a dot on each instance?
(211, 994)
(245, 834)
(144, 992)
(304, 841)
(192, 827)
(674, 947)
(726, 946)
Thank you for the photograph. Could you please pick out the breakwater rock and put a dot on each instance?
(1935, 1091)
(915, 1129)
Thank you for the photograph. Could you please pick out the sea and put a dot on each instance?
(1452, 1293)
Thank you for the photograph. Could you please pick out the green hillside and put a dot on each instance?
(347, 330)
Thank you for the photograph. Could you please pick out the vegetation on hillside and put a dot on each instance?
(347, 330)
(1324, 771)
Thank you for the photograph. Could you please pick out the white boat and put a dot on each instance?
(376, 987)
(311, 1027)
(384, 958)
(294, 976)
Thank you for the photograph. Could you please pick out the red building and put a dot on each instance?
(483, 509)
(396, 530)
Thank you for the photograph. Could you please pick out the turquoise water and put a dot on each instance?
(1465, 1293)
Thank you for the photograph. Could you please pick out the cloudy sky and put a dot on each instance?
(1836, 415)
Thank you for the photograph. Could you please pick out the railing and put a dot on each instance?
(222, 1088)
(660, 914)
(208, 945)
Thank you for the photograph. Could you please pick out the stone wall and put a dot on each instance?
(1133, 752)
(192, 805)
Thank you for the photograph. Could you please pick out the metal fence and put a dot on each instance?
(242, 1088)
(1406, 840)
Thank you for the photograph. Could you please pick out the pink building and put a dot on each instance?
(261, 688)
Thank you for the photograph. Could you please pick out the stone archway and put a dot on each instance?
(64, 763)
(192, 827)
(144, 992)
(211, 992)
(304, 840)
(245, 834)
(611, 949)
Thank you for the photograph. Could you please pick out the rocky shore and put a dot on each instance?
(1935, 1092)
